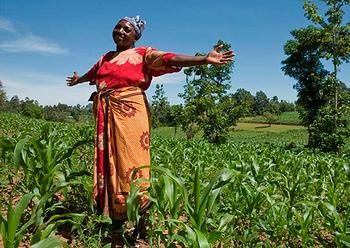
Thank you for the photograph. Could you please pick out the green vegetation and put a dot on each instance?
(261, 188)
(322, 97)
(287, 118)
(256, 183)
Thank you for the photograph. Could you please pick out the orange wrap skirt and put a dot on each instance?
(122, 143)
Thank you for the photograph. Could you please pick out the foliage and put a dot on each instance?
(257, 190)
(176, 116)
(31, 108)
(318, 89)
(286, 118)
(207, 105)
(10, 229)
(331, 129)
(261, 102)
(245, 101)
(304, 65)
(335, 46)
(3, 96)
(160, 107)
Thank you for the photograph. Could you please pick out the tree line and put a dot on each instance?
(245, 103)
(163, 113)
(31, 108)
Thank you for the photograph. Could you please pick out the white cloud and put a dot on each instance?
(47, 89)
(172, 78)
(32, 43)
(7, 26)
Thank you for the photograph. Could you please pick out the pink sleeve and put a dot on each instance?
(158, 62)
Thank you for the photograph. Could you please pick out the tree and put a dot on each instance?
(3, 97)
(14, 104)
(273, 106)
(317, 88)
(335, 35)
(285, 106)
(261, 102)
(304, 65)
(207, 105)
(31, 108)
(245, 101)
(160, 107)
(176, 116)
(331, 128)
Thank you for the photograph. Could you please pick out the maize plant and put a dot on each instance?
(254, 191)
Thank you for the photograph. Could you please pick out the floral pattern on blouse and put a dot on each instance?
(133, 67)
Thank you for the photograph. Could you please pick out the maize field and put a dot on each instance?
(245, 193)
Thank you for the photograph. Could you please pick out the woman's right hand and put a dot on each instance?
(71, 81)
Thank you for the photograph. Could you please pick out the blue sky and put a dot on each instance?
(42, 42)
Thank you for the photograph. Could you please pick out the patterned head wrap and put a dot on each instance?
(138, 24)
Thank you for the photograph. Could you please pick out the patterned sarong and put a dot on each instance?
(122, 143)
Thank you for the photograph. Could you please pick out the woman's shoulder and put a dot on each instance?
(108, 55)
(144, 49)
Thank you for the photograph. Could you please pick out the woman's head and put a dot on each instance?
(127, 31)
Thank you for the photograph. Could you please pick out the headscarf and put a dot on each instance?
(138, 24)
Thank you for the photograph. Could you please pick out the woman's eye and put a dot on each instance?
(127, 30)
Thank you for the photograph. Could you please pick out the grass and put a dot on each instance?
(261, 127)
(250, 133)
(288, 118)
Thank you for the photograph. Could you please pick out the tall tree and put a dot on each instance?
(31, 108)
(304, 65)
(335, 35)
(318, 89)
(207, 106)
(175, 119)
(273, 106)
(261, 102)
(160, 107)
(3, 97)
(14, 104)
(245, 101)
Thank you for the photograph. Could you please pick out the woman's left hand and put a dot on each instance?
(219, 58)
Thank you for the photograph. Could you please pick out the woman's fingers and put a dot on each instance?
(71, 81)
(228, 54)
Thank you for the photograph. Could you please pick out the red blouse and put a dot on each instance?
(133, 67)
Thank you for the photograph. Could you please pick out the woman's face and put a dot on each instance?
(124, 34)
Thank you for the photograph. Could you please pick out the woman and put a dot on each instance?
(122, 114)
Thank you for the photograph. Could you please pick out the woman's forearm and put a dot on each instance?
(83, 79)
(186, 61)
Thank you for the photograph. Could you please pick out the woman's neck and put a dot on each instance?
(121, 49)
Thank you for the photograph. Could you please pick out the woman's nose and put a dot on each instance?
(120, 30)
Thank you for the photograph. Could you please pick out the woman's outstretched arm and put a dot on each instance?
(76, 79)
(213, 57)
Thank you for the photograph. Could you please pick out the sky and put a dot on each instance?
(44, 41)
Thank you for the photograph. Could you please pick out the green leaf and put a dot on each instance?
(191, 233)
(344, 239)
(48, 243)
(197, 195)
(18, 152)
(224, 220)
(214, 236)
(201, 239)
(14, 216)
